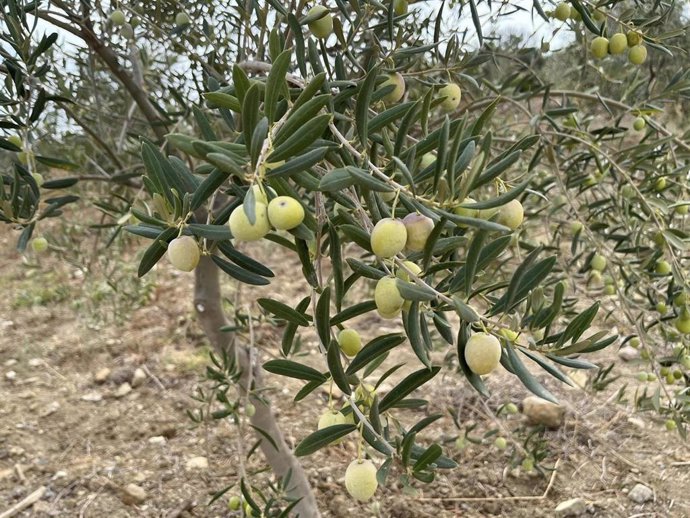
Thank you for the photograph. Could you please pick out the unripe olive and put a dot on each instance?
(38, 178)
(511, 214)
(598, 263)
(127, 31)
(183, 253)
(528, 464)
(660, 184)
(331, 418)
(600, 47)
(427, 160)
(387, 297)
(618, 43)
(651, 376)
(562, 11)
(467, 213)
(639, 124)
(482, 353)
(16, 140)
(349, 341)
(323, 27)
(664, 371)
(634, 342)
(609, 289)
(285, 213)
(360, 479)
(501, 443)
(661, 307)
(682, 209)
(508, 334)
(413, 267)
(662, 267)
(388, 237)
(117, 17)
(452, 94)
(365, 393)
(633, 38)
(243, 230)
(670, 425)
(637, 54)
(418, 228)
(398, 81)
(641, 376)
(400, 7)
(511, 408)
(598, 15)
(249, 410)
(576, 227)
(248, 509)
(181, 19)
(39, 244)
(628, 191)
(234, 503)
(683, 325)
(680, 299)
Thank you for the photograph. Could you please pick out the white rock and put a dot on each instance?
(101, 375)
(641, 494)
(36, 362)
(123, 390)
(572, 507)
(11, 375)
(628, 353)
(133, 494)
(50, 409)
(11, 362)
(197, 463)
(59, 474)
(138, 378)
(637, 422)
(158, 439)
(540, 411)
(92, 397)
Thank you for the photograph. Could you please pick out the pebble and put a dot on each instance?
(572, 507)
(637, 422)
(133, 494)
(92, 397)
(50, 409)
(641, 494)
(158, 439)
(540, 411)
(139, 377)
(628, 353)
(11, 362)
(101, 375)
(197, 463)
(123, 390)
(11, 375)
(36, 362)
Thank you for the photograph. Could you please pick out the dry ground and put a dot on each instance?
(61, 430)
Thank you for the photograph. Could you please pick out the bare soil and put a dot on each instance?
(61, 430)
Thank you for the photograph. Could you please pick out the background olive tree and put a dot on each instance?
(172, 120)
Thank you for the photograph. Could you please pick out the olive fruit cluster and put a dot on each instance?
(618, 44)
(282, 212)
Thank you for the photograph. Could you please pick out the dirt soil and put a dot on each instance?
(84, 441)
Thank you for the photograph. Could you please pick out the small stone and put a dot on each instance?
(11, 375)
(158, 439)
(637, 422)
(36, 362)
(123, 390)
(50, 409)
(628, 353)
(641, 494)
(11, 362)
(139, 377)
(540, 411)
(92, 397)
(59, 474)
(133, 494)
(197, 463)
(101, 375)
(121, 375)
(572, 507)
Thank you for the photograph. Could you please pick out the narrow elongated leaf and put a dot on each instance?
(299, 163)
(429, 456)
(374, 349)
(363, 104)
(240, 273)
(275, 84)
(525, 376)
(156, 250)
(323, 437)
(291, 328)
(353, 311)
(407, 386)
(322, 317)
(283, 311)
(335, 367)
(301, 139)
(292, 369)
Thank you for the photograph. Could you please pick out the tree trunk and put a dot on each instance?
(207, 303)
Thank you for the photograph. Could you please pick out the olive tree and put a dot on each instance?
(418, 168)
